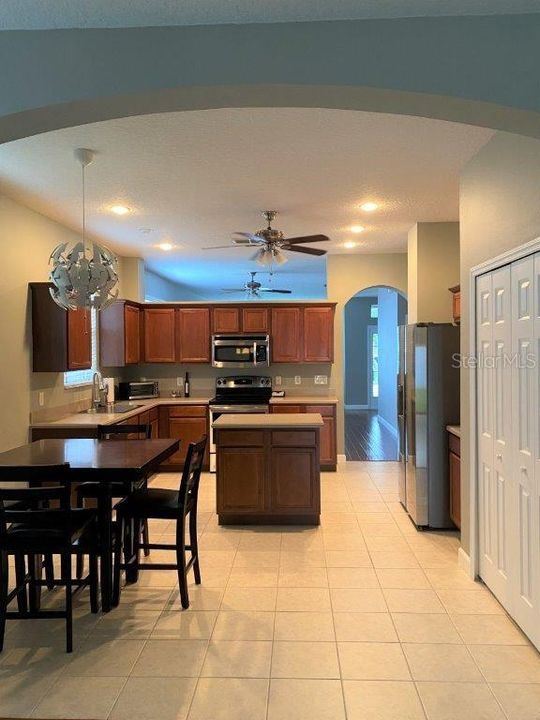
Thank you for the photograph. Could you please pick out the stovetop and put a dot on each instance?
(242, 390)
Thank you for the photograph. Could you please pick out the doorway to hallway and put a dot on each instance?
(372, 318)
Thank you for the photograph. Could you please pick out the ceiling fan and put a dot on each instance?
(253, 288)
(270, 243)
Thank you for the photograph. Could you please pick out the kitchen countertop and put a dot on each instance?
(239, 421)
(454, 429)
(77, 420)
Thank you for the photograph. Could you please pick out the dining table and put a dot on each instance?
(100, 461)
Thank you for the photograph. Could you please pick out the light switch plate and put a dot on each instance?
(41, 399)
(321, 379)
(180, 382)
(297, 380)
(277, 380)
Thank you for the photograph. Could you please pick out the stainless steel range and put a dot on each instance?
(238, 394)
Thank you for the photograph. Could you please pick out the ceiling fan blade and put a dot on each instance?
(233, 290)
(225, 247)
(267, 290)
(307, 251)
(307, 239)
(249, 236)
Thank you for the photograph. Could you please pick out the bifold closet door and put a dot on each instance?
(525, 407)
(494, 431)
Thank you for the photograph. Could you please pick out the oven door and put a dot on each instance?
(216, 411)
(240, 352)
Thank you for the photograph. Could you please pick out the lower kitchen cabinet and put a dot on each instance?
(300, 496)
(187, 423)
(328, 433)
(242, 486)
(454, 474)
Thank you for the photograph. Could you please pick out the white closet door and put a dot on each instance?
(494, 418)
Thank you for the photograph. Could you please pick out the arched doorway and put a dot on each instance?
(372, 318)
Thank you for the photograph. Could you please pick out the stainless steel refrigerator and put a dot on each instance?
(428, 401)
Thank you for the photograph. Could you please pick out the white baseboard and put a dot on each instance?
(464, 561)
(387, 425)
(341, 459)
(356, 407)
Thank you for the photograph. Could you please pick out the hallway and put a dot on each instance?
(367, 438)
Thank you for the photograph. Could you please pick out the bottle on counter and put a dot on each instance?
(186, 385)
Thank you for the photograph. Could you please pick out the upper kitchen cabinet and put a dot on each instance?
(61, 339)
(226, 320)
(120, 334)
(318, 334)
(159, 335)
(255, 320)
(193, 334)
(286, 335)
(303, 334)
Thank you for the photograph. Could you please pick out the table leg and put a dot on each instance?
(105, 521)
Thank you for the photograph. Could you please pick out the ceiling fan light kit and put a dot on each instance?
(83, 273)
(253, 288)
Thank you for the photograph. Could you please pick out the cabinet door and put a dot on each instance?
(455, 488)
(456, 306)
(159, 335)
(255, 320)
(328, 440)
(294, 486)
(154, 424)
(132, 335)
(185, 429)
(79, 340)
(286, 335)
(194, 335)
(226, 320)
(240, 480)
(318, 334)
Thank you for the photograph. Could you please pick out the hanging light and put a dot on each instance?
(83, 273)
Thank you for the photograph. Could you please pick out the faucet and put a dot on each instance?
(99, 391)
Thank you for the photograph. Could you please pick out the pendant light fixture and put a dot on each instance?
(83, 273)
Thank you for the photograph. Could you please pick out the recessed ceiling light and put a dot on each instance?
(357, 228)
(369, 206)
(166, 246)
(349, 244)
(120, 209)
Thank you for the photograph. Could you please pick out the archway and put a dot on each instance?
(372, 318)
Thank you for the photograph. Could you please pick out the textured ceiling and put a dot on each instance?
(42, 14)
(193, 178)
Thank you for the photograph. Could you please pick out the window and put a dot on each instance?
(74, 378)
(374, 312)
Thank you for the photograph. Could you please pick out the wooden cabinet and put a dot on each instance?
(159, 335)
(120, 334)
(61, 339)
(318, 334)
(454, 474)
(193, 335)
(286, 335)
(255, 320)
(456, 303)
(187, 423)
(226, 319)
(268, 476)
(328, 433)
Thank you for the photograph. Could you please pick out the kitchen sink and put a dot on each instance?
(117, 407)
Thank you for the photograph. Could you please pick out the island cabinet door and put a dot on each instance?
(294, 486)
(241, 480)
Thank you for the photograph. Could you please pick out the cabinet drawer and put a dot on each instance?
(276, 409)
(294, 438)
(324, 410)
(188, 411)
(454, 444)
(240, 438)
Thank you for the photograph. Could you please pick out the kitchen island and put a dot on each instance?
(268, 468)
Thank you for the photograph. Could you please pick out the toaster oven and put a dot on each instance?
(138, 390)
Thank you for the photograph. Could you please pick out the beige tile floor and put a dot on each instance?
(362, 618)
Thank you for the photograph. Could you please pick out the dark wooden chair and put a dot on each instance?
(160, 503)
(120, 489)
(48, 525)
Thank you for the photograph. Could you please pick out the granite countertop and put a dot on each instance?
(263, 421)
(304, 400)
(93, 419)
(454, 429)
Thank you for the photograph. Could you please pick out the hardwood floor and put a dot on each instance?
(366, 438)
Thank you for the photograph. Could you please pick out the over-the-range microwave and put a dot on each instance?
(240, 351)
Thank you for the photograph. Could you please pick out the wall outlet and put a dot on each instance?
(297, 380)
(321, 379)
(277, 380)
(180, 382)
(41, 399)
